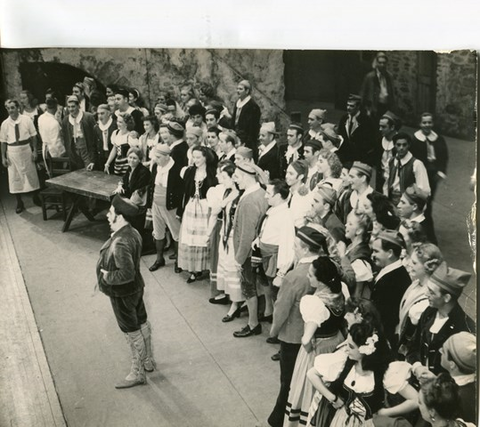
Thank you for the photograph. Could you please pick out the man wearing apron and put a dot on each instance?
(18, 139)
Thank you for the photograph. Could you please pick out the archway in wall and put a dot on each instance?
(37, 77)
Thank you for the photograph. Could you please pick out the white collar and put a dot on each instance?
(464, 379)
(267, 148)
(291, 150)
(129, 110)
(16, 122)
(307, 259)
(314, 134)
(388, 269)
(231, 153)
(355, 117)
(405, 159)
(280, 209)
(75, 120)
(387, 145)
(241, 103)
(422, 137)
(104, 127)
(418, 218)
(47, 114)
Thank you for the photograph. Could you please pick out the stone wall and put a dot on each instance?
(403, 66)
(154, 70)
(456, 93)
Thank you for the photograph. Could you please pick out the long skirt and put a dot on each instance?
(342, 419)
(193, 251)
(228, 276)
(301, 390)
(214, 242)
(22, 172)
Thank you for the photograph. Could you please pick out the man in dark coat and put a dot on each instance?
(358, 133)
(79, 136)
(246, 117)
(177, 144)
(269, 157)
(443, 318)
(293, 151)
(391, 282)
(103, 135)
(119, 277)
(377, 89)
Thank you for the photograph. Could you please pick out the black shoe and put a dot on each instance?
(247, 331)
(194, 277)
(273, 340)
(268, 318)
(157, 264)
(20, 208)
(222, 301)
(176, 268)
(230, 317)
(276, 357)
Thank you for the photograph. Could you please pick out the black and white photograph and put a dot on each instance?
(238, 236)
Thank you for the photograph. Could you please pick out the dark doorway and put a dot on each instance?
(323, 79)
(426, 82)
(37, 77)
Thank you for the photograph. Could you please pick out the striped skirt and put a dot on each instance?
(120, 166)
(301, 390)
(193, 251)
(228, 277)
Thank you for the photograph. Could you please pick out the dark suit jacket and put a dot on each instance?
(271, 162)
(419, 151)
(179, 154)
(284, 162)
(140, 180)
(371, 90)
(387, 294)
(425, 348)
(358, 146)
(175, 188)
(120, 256)
(248, 124)
(334, 226)
(88, 124)
(101, 159)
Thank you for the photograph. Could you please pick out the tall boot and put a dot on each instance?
(136, 375)
(160, 261)
(149, 364)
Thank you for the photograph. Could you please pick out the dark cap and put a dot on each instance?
(124, 206)
(451, 280)
(176, 129)
(312, 237)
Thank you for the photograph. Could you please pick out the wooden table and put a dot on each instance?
(94, 184)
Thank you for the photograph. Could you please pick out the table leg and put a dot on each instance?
(71, 214)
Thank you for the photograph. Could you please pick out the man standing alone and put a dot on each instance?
(119, 277)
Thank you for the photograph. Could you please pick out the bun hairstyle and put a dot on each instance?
(381, 357)
(430, 256)
(441, 394)
(327, 272)
(367, 310)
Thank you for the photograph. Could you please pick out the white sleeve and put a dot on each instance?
(313, 310)
(330, 365)
(286, 253)
(31, 128)
(417, 310)
(397, 376)
(363, 270)
(421, 177)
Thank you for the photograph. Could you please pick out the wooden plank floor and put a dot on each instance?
(27, 392)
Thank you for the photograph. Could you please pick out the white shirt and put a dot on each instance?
(358, 200)
(104, 129)
(162, 173)
(312, 170)
(299, 207)
(388, 269)
(50, 131)
(351, 123)
(292, 154)
(315, 135)
(75, 122)
(230, 153)
(279, 229)
(387, 155)
(421, 177)
(25, 125)
(129, 110)
(240, 104)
